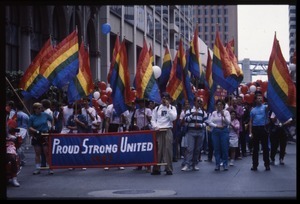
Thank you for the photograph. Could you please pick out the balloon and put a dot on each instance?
(244, 89)
(247, 98)
(104, 98)
(96, 95)
(108, 90)
(252, 88)
(242, 95)
(101, 103)
(157, 71)
(102, 85)
(106, 28)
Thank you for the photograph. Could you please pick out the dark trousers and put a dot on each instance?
(260, 134)
(278, 138)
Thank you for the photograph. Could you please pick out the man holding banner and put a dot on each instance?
(162, 121)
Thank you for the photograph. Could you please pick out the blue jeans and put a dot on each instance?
(220, 139)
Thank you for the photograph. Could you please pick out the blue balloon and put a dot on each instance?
(106, 28)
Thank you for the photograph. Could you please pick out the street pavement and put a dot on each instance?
(239, 182)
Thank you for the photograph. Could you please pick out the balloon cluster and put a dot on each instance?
(248, 91)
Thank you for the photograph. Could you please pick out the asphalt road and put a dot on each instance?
(94, 183)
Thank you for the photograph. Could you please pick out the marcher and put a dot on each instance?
(13, 141)
(195, 120)
(257, 130)
(22, 121)
(278, 138)
(114, 123)
(234, 129)
(162, 121)
(219, 120)
(38, 124)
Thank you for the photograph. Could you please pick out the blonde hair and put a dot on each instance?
(37, 105)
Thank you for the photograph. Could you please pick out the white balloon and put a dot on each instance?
(157, 71)
(252, 88)
(101, 103)
(108, 89)
(96, 95)
(242, 95)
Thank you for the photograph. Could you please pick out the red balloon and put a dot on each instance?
(244, 89)
(102, 92)
(102, 85)
(104, 98)
(264, 85)
(247, 98)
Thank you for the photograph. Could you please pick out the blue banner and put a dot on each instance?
(87, 150)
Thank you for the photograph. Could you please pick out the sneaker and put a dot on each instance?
(268, 168)
(121, 168)
(50, 172)
(253, 168)
(272, 162)
(185, 168)
(217, 168)
(195, 168)
(36, 172)
(225, 168)
(15, 182)
(169, 173)
(106, 169)
(231, 163)
(281, 162)
(221, 164)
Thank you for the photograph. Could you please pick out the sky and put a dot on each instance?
(257, 25)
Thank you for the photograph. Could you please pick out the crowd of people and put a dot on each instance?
(235, 129)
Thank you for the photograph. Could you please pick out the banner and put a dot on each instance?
(87, 150)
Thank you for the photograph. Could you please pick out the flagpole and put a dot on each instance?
(17, 94)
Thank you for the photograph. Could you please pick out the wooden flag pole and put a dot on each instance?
(11, 86)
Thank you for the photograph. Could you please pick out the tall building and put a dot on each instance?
(217, 17)
(292, 30)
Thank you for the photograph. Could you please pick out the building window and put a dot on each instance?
(129, 14)
(116, 9)
(165, 35)
(157, 30)
(140, 19)
(150, 24)
(12, 39)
